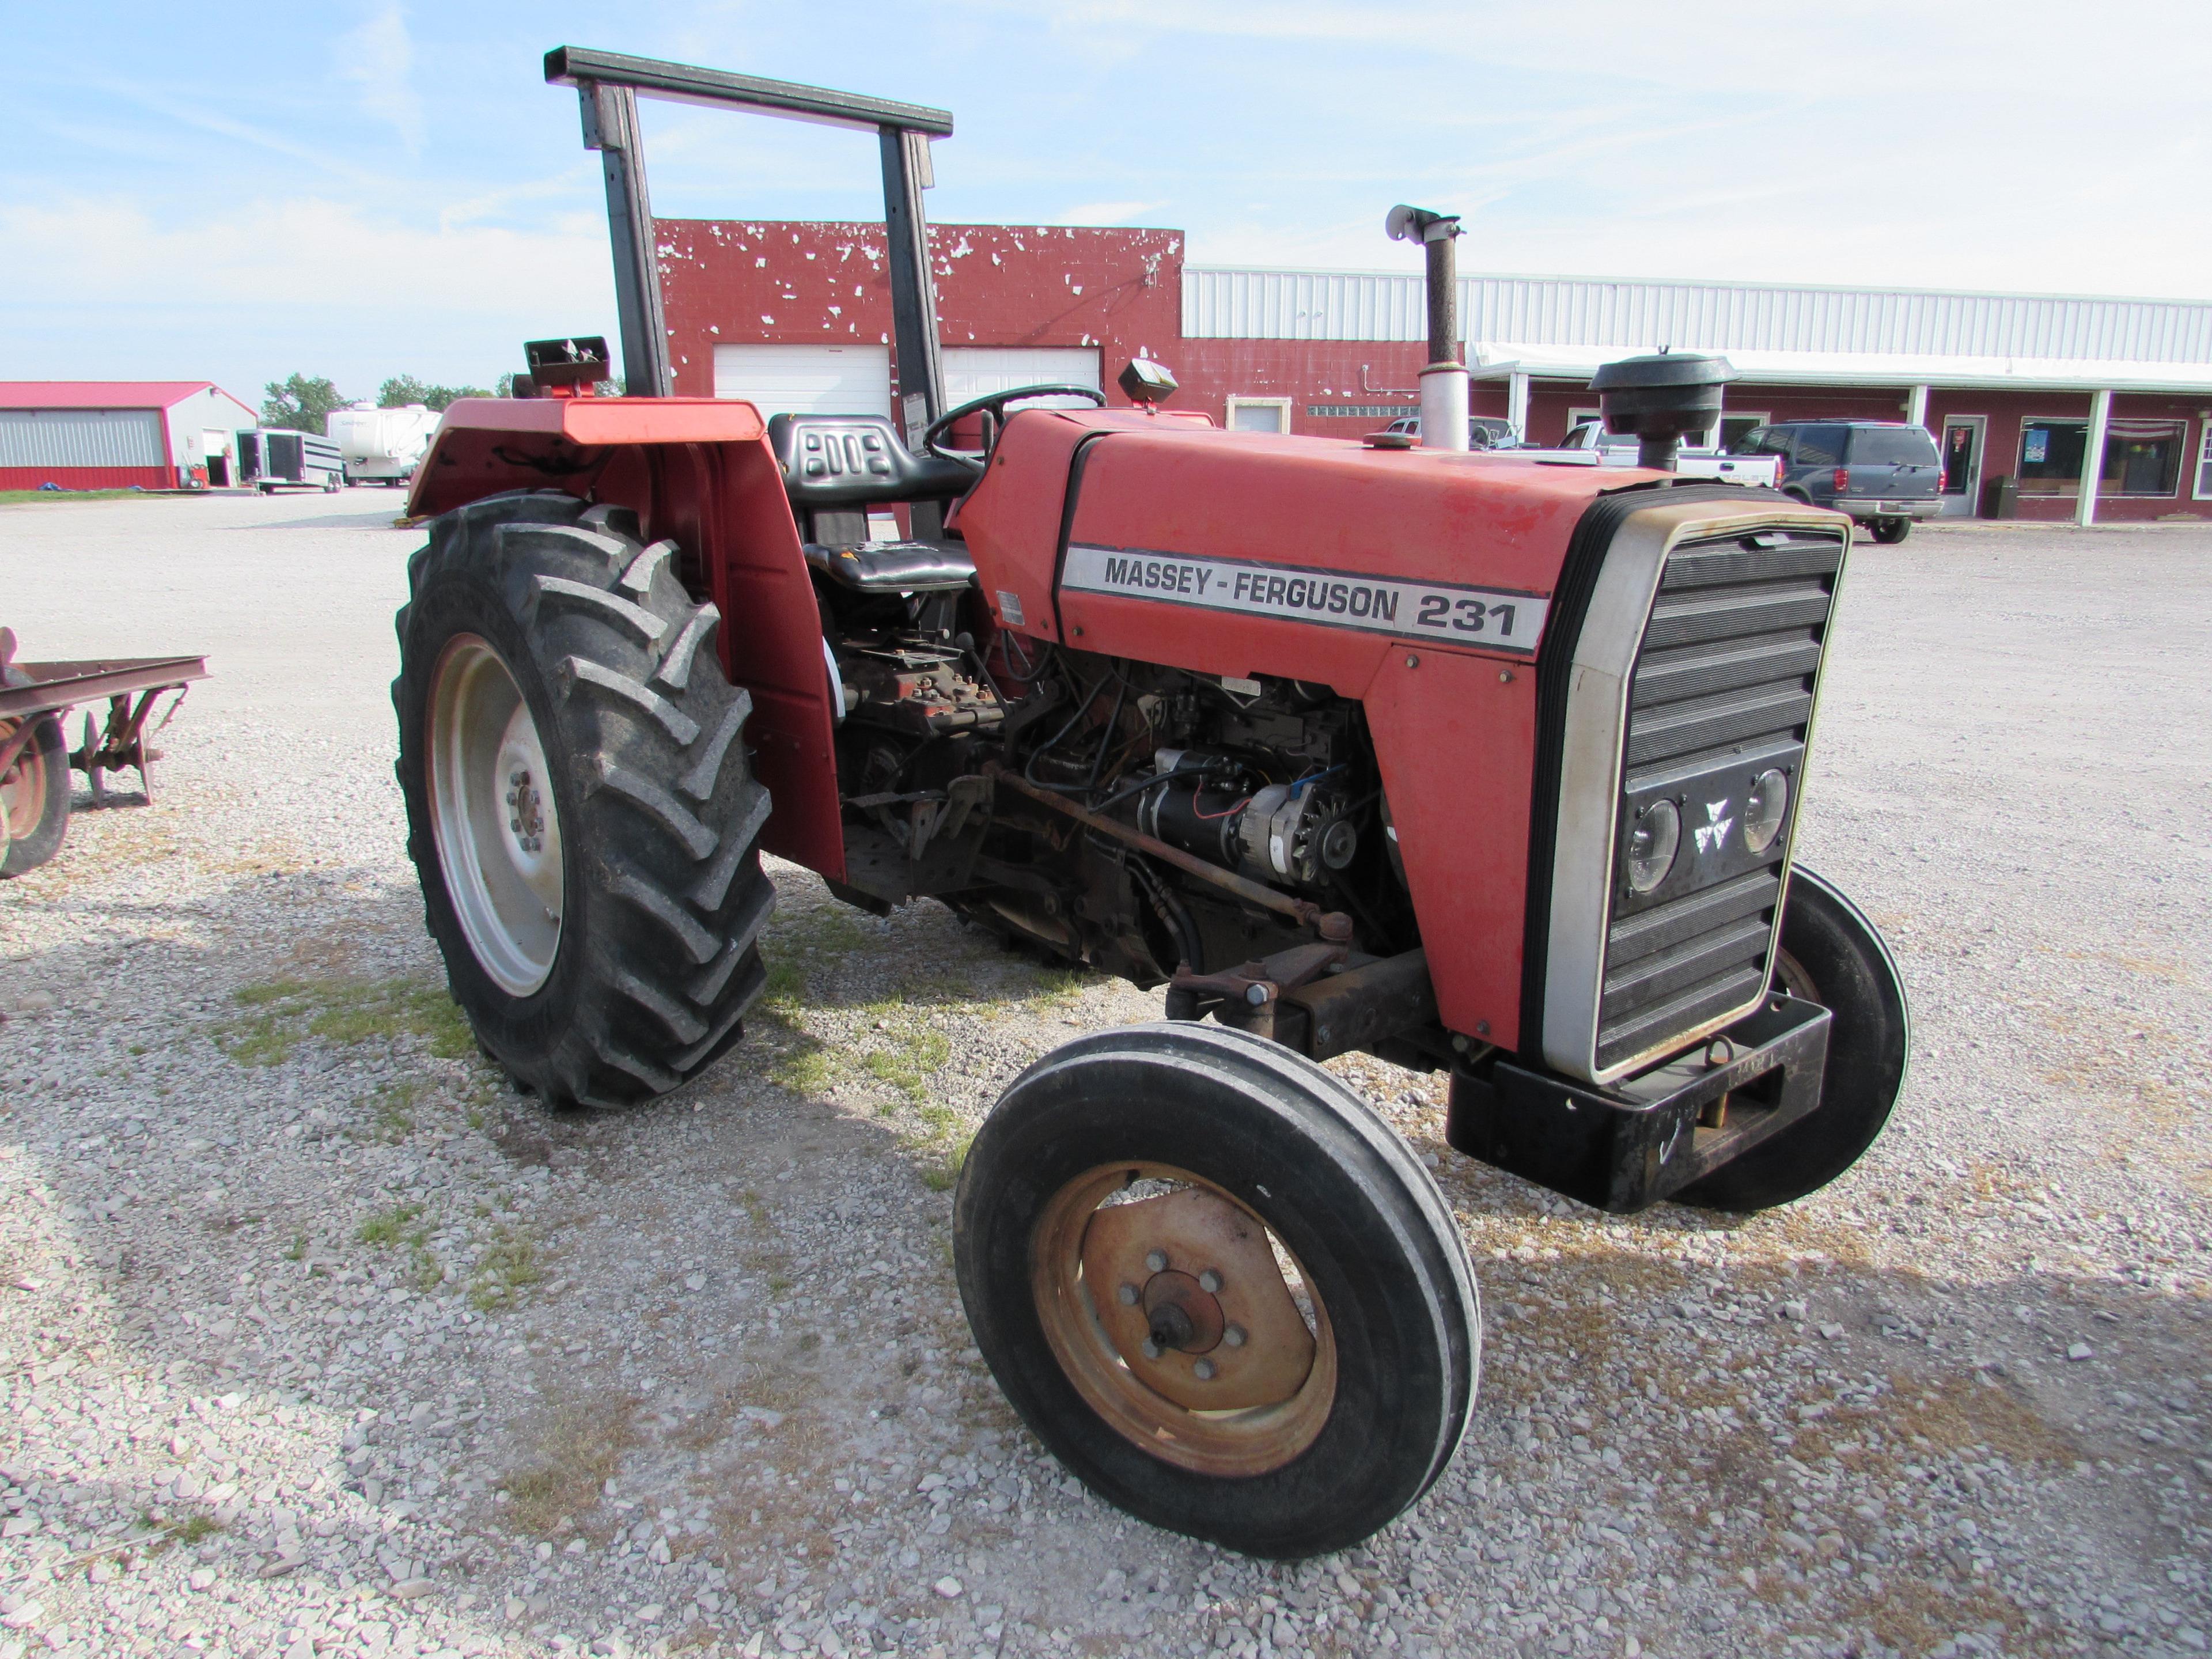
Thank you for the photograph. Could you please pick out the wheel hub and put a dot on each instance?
(494, 817)
(1194, 1302)
(525, 808)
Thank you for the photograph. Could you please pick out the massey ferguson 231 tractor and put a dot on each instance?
(1472, 762)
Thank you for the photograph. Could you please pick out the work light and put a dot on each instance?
(1764, 809)
(1652, 843)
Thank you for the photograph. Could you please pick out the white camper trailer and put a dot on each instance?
(381, 446)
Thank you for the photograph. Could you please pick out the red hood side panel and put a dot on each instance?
(1306, 507)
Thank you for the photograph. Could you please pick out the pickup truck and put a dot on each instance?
(1589, 440)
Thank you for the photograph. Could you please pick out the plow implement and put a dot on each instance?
(35, 760)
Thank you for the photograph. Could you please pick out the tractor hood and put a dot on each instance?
(1256, 554)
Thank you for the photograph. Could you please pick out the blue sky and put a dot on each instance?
(365, 189)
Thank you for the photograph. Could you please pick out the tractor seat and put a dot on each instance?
(895, 567)
(843, 461)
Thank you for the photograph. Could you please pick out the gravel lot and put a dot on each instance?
(317, 1342)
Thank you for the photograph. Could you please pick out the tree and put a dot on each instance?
(402, 389)
(301, 404)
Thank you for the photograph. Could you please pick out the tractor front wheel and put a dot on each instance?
(1220, 1289)
(1830, 954)
(579, 807)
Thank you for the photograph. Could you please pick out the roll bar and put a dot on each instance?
(608, 86)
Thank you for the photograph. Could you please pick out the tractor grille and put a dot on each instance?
(1723, 690)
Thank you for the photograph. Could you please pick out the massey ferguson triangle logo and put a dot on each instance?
(1712, 835)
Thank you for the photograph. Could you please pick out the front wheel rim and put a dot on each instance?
(1279, 1377)
(494, 817)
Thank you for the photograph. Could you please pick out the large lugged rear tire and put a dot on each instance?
(580, 805)
(1218, 1287)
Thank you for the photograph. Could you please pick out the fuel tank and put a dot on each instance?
(1416, 583)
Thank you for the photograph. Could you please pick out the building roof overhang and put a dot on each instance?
(1495, 359)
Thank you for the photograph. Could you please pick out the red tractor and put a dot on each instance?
(1472, 762)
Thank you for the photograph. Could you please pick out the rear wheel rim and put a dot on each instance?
(492, 816)
(22, 788)
(1092, 1330)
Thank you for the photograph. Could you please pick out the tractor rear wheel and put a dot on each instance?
(1830, 954)
(1218, 1287)
(579, 807)
(35, 796)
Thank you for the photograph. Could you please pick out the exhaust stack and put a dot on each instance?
(1444, 381)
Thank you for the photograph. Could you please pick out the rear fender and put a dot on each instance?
(699, 471)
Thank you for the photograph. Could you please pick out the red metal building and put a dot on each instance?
(2023, 387)
(113, 434)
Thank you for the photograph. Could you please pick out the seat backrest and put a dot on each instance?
(857, 460)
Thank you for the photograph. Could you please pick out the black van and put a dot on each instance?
(1884, 473)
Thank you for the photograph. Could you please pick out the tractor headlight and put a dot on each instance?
(1653, 841)
(1764, 809)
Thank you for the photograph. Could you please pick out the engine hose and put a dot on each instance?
(1106, 734)
(1173, 915)
(1029, 770)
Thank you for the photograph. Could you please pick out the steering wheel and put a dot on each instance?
(993, 408)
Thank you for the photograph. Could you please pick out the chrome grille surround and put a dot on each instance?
(1697, 666)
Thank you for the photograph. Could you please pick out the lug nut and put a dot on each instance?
(516, 777)
(1234, 1336)
(1151, 1350)
(1209, 1281)
(1203, 1370)
(515, 825)
(1156, 1261)
(1129, 1293)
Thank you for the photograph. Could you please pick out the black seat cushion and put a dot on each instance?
(856, 460)
(895, 567)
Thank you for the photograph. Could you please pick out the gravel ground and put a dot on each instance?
(317, 1342)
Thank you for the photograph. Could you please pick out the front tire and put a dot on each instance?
(580, 810)
(1830, 954)
(1240, 1416)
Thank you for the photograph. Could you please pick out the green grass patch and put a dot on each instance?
(392, 1108)
(22, 497)
(907, 1065)
(390, 1226)
(275, 1017)
(195, 1528)
(508, 1268)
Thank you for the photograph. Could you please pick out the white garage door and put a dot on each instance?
(972, 371)
(855, 380)
(806, 379)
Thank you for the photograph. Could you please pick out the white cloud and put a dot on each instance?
(246, 294)
(109, 250)
(379, 57)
